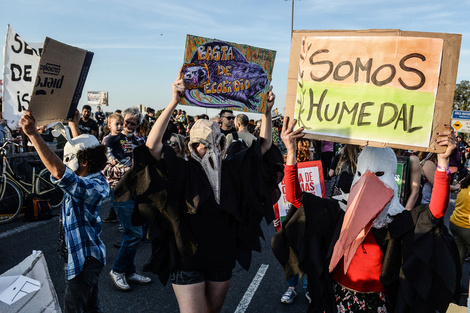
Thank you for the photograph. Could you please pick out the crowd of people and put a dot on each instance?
(172, 182)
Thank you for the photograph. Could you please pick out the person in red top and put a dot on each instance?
(371, 254)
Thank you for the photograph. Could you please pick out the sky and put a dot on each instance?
(139, 45)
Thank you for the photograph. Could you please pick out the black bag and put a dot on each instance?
(237, 145)
(37, 209)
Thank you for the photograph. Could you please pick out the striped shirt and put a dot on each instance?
(81, 218)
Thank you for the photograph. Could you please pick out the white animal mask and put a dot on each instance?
(208, 133)
(382, 162)
(73, 145)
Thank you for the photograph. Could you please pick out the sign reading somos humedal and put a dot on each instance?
(219, 74)
(376, 87)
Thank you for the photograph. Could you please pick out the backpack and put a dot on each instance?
(237, 145)
(37, 209)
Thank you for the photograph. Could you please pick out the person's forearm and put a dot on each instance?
(154, 139)
(74, 129)
(266, 132)
(52, 162)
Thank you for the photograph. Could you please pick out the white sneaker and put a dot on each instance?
(138, 279)
(288, 296)
(119, 281)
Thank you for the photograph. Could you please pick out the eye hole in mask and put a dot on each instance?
(378, 174)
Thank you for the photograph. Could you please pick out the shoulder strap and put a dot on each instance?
(235, 136)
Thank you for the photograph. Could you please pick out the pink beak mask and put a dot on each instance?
(373, 202)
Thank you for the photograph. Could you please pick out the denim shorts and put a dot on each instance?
(180, 277)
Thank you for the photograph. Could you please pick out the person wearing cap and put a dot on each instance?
(85, 188)
(203, 217)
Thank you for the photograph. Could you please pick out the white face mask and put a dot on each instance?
(208, 133)
(74, 145)
(382, 162)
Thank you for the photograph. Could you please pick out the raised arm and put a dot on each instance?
(266, 131)
(415, 170)
(440, 192)
(73, 124)
(154, 139)
(52, 162)
(293, 191)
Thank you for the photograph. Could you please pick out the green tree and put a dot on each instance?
(462, 96)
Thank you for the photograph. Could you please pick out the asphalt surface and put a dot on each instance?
(19, 238)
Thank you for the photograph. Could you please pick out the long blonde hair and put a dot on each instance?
(349, 156)
(303, 150)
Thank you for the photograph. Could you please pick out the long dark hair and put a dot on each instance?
(465, 182)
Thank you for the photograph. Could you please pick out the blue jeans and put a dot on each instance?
(294, 280)
(130, 238)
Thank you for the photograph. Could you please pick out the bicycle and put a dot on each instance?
(13, 189)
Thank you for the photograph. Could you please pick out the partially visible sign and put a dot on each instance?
(59, 83)
(310, 179)
(20, 66)
(377, 87)
(461, 121)
(219, 74)
(402, 178)
(98, 98)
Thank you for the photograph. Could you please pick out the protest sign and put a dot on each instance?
(376, 87)
(310, 179)
(59, 83)
(98, 98)
(461, 121)
(220, 74)
(20, 66)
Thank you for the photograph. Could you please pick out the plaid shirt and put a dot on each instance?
(81, 218)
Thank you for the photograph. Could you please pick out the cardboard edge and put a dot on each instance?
(445, 92)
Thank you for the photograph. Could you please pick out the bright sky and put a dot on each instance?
(139, 44)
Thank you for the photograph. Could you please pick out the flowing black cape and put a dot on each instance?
(421, 269)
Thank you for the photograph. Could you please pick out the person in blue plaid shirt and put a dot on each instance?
(85, 187)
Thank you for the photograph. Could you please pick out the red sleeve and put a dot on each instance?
(293, 191)
(440, 194)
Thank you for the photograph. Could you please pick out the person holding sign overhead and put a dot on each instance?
(372, 254)
(202, 216)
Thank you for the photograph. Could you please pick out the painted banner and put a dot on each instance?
(310, 179)
(376, 87)
(98, 98)
(21, 61)
(220, 74)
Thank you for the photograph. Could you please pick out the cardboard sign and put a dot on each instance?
(377, 87)
(59, 83)
(461, 121)
(220, 74)
(98, 98)
(19, 71)
(310, 179)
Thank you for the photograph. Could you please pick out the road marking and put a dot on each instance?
(22, 228)
(245, 302)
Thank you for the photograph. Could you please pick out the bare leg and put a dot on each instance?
(215, 295)
(191, 298)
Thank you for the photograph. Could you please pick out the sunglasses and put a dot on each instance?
(172, 143)
(229, 117)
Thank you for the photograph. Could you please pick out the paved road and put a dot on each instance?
(19, 239)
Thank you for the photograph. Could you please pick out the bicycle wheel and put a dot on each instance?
(11, 201)
(47, 190)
